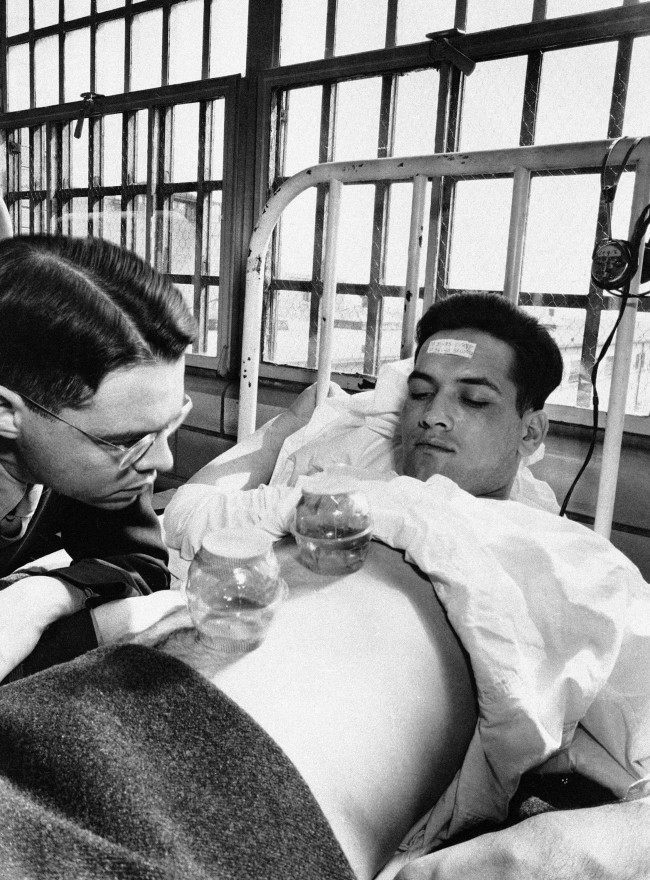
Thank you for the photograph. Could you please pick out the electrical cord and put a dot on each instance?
(595, 400)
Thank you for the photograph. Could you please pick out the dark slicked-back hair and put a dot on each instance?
(72, 310)
(537, 362)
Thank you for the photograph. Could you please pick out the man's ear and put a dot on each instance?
(534, 430)
(11, 410)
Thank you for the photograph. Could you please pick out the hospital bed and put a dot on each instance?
(520, 163)
(326, 618)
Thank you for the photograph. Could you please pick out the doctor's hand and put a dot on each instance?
(27, 607)
(611, 842)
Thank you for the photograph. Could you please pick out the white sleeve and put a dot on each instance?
(195, 510)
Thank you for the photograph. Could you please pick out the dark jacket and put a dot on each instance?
(115, 554)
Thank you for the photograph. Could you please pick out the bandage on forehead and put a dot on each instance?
(460, 347)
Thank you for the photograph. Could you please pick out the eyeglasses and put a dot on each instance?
(128, 455)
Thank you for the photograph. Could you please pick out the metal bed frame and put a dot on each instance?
(520, 163)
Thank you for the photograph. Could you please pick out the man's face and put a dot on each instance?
(128, 404)
(460, 418)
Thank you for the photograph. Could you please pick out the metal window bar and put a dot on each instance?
(519, 162)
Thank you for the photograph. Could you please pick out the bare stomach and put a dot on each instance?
(363, 684)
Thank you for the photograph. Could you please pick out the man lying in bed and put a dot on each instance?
(91, 385)
(561, 600)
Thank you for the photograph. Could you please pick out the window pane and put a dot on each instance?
(353, 35)
(141, 146)
(103, 5)
(46, 71)
(492, 105)
(79, 159)
(39, 216)
(111, 219)
(39, 159)
(483, 16)
(212, 233)
(350, 320)
(212, 318)
(303, 30)
(77, 218)
(575, 94)
(215, 153)
(112, 164)
(355, 233)
(291, 332)
(20, 213)
(415, 123)
(566, 326)
(180, 226)
(146, 50)
(76, 8)
(391, 327)
(109, 58)
(417, 18)
(296, 254)
(638, 400)
(560, 233)
(17, 17)
(357, 133)
(637, 107)
(18, 77)
(185, 142)
(228, 29)
(480, 237)
(303, 129)
(399, 222)
(77, 64)
(19, 164)
(136, 226)
(46, 12)
(187, 292)
(556, 8)
(185, 41)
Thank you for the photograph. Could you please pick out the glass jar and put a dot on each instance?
(233, 589)
(332, 525)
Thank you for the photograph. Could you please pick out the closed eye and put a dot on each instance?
(475, 404)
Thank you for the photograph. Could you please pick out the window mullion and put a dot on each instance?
(200, 259)
(165, 43)
(375, 304)
(128, 27)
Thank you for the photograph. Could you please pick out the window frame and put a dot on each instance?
(531, 39)
(256, 128)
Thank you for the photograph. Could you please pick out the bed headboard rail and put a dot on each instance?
(520, 163)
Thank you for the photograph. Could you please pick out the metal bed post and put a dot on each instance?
(412, 288)
(328, 301)
(621, 368)
(517, 233)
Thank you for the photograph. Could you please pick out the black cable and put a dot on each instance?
(625, 296)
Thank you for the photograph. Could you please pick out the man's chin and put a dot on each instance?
(117, 501)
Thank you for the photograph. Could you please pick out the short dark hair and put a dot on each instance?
(72, 310)
(537, 363)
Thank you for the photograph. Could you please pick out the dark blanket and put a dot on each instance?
(127, 764)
